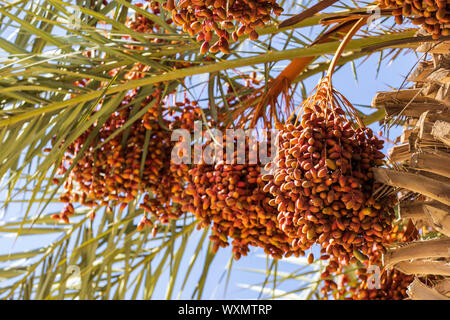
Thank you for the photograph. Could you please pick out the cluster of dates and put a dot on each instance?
(115, 169)
(390, 285)
(204, 18)
(322, 182)
(229, 195)
(432, 15)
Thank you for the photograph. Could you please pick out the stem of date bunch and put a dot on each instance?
(343, 44)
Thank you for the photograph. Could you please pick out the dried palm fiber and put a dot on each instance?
(203, 18)
(322, 179)
(432, 15)
(109, 172)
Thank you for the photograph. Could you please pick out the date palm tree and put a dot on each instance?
(49, 47)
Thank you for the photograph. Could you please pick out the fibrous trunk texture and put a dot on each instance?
(420, 172)
(417, 290)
